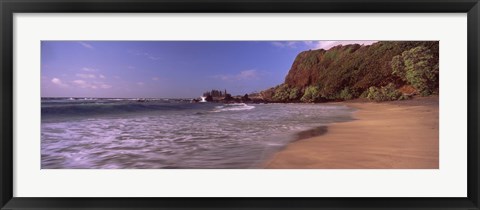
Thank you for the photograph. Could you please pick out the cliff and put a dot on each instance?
(381, 71)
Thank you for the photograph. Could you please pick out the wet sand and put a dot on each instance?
(388, 135)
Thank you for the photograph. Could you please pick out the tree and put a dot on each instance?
(285, 93)
(245, 98)
(282, 93)
(228, 97)
(294, 94)
(312, 94)
(418, 67)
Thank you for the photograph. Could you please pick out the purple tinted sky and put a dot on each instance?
(167, 69)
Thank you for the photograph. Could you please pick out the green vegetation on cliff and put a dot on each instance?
(381, 71)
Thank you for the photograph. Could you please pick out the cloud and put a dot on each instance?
(247, 74)
(130, 67)
(140, 83)
(156, 78)
(329, 44)
(151, 57)
(222, 77)
(101, 76)
(146, 55)
(90, 85)
(89, 69)
(86, 76)
(86, 45)
(317, 44)
(58, 82)
(324, 44)
(243, 75)
(283, 44)
(105, 86)
(79, 82)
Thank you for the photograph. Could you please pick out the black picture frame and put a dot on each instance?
(9, 7)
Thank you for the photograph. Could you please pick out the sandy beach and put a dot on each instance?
(389, 135)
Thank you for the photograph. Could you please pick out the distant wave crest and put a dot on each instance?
(112, 108)
(233, 107)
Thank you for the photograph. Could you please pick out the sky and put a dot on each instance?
(167, 69)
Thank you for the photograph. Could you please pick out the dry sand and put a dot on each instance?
(391, 135)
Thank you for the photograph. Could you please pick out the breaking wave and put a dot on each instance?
(233, 107)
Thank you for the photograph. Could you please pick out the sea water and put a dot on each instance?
(91, 133)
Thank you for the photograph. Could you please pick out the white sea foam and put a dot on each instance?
(233, 107)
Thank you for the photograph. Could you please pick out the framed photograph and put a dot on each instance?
(239, 105)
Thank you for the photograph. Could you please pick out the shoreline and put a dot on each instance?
(387, 135)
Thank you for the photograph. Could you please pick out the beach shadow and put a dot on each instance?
(311, 133)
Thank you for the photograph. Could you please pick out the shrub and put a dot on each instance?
(373, 93)
(404, 97)
(294, 94)
(267, 94)
(284, 93)
(345, 94)
(364, 94)
(385, 93)
(281, 93)
(312, 94)
(391, 92)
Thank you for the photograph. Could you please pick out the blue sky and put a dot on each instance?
(167, 69)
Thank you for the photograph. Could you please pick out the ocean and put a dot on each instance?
(92, 133)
